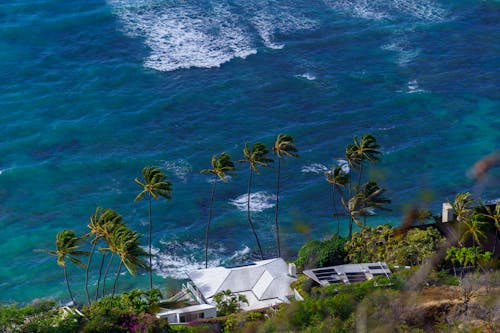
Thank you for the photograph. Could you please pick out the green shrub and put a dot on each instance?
(228, 303)
(316, 253)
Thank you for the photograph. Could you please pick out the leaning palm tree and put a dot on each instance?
(155, 185)
(129, 252)
(67, 245)
(362, 149)
(338, 179)
(221, 168)
(283, 146)
(255, 157)
(365, 202)
(97, 227)
(462, 206)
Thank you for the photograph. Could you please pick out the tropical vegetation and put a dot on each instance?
(443, 281)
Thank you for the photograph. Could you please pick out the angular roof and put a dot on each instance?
(264, 282)
(348, 273)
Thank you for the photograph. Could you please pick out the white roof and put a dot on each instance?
(187, 309)
(264, 283)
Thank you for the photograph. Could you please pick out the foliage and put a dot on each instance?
(380, 244)
(228, 303)
(467, 256)
(128, 312)
(14, 315)
(415, 247)
(369, 244)
(314, 253)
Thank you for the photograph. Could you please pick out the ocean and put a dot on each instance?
(93, 91)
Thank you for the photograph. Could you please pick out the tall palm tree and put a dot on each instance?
(255, 157)
(221, 168)
(97, 227)
(283, 147)
(362, 149)
(338, 179)
(67, 245)
(129, 252)
(155, 185)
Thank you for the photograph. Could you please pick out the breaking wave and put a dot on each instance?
(258, 201)
(314, 168)
(177, 258)
(425, 10)
(180, 168)
(189, 34)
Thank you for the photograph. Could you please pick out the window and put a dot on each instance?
(201, 315)
(182, 319)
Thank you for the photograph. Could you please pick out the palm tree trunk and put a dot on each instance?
(335, 210)
(150, 242)
(116, 278)
(249, 217)
(277, 208)
(87, 271)
(67, 284)
(360, 172)
(106, 274)
(100, 274)
(209, 219)
(495, 244)
(349, 197)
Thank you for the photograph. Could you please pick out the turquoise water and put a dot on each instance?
(92, 91)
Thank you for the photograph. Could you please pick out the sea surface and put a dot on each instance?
(92, 91)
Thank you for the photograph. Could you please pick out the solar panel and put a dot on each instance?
(348, 273)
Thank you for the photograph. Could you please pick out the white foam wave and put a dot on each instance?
(344, 165)
(405, 53)
(413, 87)
(178, 258)
(258, 201)
(180, 167)
(184, 35)
(426, 10)
(282, 20)
(314, 168)
(307, 76)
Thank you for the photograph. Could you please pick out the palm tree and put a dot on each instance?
(337, 178)
(365, 202)
(98, 220)
(473, 228)
(362, 149)
(129, 251)
(67, 245)
(462, 206)
(221, 167)
(154, 183)
(490, 215)
(255, 157)
(283, 146)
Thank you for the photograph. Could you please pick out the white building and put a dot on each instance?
(189, 313)
(264, 283)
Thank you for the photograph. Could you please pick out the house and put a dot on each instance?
(189, 313)
(348, 273)
(264, 283)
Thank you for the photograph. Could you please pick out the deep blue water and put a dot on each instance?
(92, 91)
